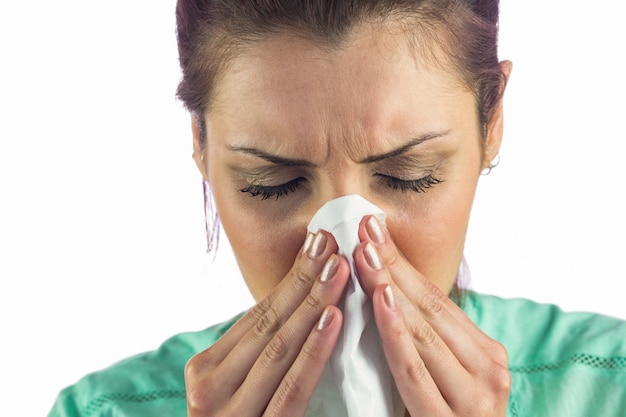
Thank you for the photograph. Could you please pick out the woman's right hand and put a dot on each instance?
(271, 360)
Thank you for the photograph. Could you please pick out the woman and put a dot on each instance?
(294, 104)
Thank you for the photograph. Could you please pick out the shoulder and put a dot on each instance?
(562, 363)
(151, 383)
(528, 328)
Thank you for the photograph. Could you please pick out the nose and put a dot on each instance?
(342, 183)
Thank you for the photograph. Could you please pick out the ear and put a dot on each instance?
(495, 127)
(198, 148)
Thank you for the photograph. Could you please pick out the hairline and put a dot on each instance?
(429, 53)
(421, 36)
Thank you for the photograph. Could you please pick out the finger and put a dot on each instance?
(447, 319)
(281, 351)
(450, 345)
(443, 365)
(291, 290)
(262, 321)
(371, 230)
(298, 385)
(415, 383)
(497, 351)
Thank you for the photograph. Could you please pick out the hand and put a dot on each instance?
(443, 365)
(271, 360)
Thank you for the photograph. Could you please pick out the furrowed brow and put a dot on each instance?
(404, 148)
(275, 159)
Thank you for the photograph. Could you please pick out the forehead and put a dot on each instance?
(390, 40)
(371, 48)
(374, 82)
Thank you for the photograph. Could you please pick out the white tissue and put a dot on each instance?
(357, 382)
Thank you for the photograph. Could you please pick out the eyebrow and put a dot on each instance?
(275, 159)
(404, 148)
(279, 160)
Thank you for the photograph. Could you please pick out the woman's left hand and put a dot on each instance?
(443, 365)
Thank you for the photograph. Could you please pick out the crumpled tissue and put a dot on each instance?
(357, 381)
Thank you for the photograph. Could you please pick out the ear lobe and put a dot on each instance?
(198, 149)
(495, 128)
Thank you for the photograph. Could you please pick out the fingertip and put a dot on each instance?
(357, 253)
(336, 271)
(363, 236)
(385, 307)
(331, 318)
(372, 258)
(371, 269)
(344, 267)
(326, 318)
(388, 297)
(326, 333)
(331, 242)
(384, 296)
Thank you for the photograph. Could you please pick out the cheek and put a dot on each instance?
(264, 246)
(432, 236)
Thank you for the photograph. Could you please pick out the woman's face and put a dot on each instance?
(294, 125)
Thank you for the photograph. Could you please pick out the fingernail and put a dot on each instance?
(374, 230)
(318, 245)
(330, 268)
(388, 296)
(307, 242)
(371, 256)
(327, 317)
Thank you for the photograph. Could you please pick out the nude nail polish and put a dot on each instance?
(318, 245)
(388, 296)
(371, 256)
(374, 230)
(307, 242)
(327, 317)
(330, 268)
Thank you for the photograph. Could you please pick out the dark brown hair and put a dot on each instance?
(212, 32)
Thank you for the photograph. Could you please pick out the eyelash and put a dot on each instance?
(420, 185)
(268, 191)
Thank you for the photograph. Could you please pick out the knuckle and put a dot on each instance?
(303, 278)
(197, 365)
(268, 323)
(498, 352)
(416, 372)
(200, 385)
(192, 369)
(392, 258)
(196, 403)
(430, 305)
(501, 379)
(436, 291)
(313, 301)
(310, 352)
(199, 401)
(277, 348)
(424, 334)
(491, 391)
(287, 393)
(399, 331)
(260, 309)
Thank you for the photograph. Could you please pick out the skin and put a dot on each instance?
(342, 121)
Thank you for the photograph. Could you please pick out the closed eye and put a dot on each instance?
(269, 191)
(420, 185)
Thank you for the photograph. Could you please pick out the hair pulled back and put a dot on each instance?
(212, 32)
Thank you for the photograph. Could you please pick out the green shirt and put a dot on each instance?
(562, 364)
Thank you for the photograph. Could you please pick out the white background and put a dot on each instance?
(101, 222)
